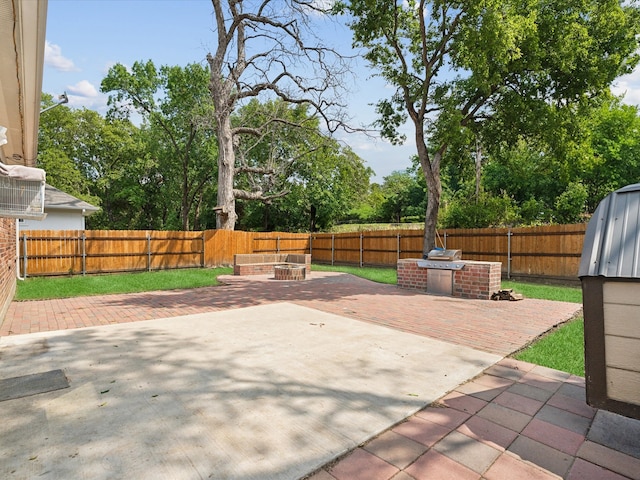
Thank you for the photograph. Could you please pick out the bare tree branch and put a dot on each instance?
(286, 62)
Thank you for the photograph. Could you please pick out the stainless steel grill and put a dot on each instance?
(443, 260)
(441, 264)
(442, 254)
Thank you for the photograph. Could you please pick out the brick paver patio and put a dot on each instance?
(543, 433)
(496, 327)
(515, 421)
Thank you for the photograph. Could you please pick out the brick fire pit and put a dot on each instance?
(289, 272)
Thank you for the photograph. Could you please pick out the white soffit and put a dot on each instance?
(22, 39)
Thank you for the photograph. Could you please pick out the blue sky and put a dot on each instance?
(86, 37)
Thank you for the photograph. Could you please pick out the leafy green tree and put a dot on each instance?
(301, 178)
(481, 211)
(368, 208)
(404, 196)
(613, 159)
(570, 205)
(264, 50)
(542, 175)
(456, 64)
(68, 141)
(528, 170)
(326, 185)
(176, 109)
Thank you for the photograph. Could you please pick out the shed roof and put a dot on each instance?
(54, 198)
(612, 241)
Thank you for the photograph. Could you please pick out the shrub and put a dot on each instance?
(571, 204)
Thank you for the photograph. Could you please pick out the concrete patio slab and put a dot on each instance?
(265, 392)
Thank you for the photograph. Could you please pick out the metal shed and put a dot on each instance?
(610, 276)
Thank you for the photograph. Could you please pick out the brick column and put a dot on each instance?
(477, 280)
(410, 275)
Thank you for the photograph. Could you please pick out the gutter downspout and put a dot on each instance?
(18, 250)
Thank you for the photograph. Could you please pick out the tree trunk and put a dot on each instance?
(226, 213)
(185, 206)
(184, 213)
(431, 170)
(478, 169)
(434, 189)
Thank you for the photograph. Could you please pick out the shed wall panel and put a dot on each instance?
(622, 352)
(624, 293)
(623, 385)
(622, 320)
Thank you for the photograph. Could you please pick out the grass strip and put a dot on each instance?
(561, 349)
(41, 288)
(556, 293)
(380, 275)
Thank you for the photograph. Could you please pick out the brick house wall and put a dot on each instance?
(7, 264)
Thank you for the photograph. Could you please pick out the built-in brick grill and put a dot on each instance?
(441, 263)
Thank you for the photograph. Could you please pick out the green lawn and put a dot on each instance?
(546, 292)
(380, 275)
(40, 288)
(562, 349)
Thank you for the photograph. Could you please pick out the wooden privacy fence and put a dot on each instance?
(546, 252)
(67, 252)
(551, 251)
(60, 252)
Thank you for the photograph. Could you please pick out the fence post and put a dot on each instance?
(509, 253)
(148, 251)
(361, 252)
(311, 246)
(24, 255)
(278, 244)
(203, 247)
(333, 237)
(398, 248)
(445, 239)
(84, 254)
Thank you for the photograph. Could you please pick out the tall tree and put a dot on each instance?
(175, 105)
(311, 172)
(267, 49)
(70, 148)
(456, 63)
(404, 196)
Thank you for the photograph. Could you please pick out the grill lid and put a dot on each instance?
(444, 255)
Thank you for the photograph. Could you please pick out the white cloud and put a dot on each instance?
(83, 88)
(629, 87)
(54, 58)
(99, 103)
(84, 95)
